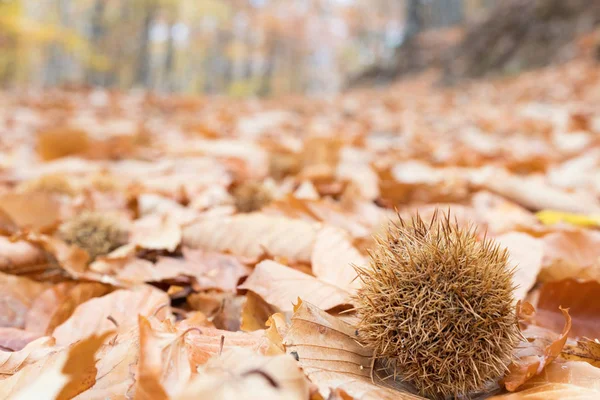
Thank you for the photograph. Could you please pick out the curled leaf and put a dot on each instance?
(581, 300)
(533, 355)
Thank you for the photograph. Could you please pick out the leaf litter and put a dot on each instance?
(227, 267)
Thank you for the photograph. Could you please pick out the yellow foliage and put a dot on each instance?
(551, 217)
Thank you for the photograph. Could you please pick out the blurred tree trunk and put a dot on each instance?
(414, 20)
(169, 60)
(143, 76)
(96, 36)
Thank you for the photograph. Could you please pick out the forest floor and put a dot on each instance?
(173, 247)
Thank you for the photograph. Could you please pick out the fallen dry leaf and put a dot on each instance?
(251, 235)
(54, 306)
(281, 286)
(16, 297)
(569, 380)
(534, 193)
(255, 313)
(61, 375)
(115, 364)
(330, 355)
(156, 232)
(334, 258)
(122, 306)
(163, 366)
(525, 255)
(21, 257)
(240, 370)
(14, 339)
(571, 254)
(38, 210)
(582, 300)
(585, 350)
(535, 353)
(12, 361)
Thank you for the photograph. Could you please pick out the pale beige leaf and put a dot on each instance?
(163, 366)
(526, 254)
(123, 306)
(242, 371)
(534, 193)
(115, 364)
(252, 235)
(281, 286)
(203, 343)
(156, 232)
(330, 355)
(334, 258)
(61, 375)
(12, 361)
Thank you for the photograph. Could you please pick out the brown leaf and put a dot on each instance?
(281, 286)
(534, 354)
(571, 254)
(115, 364)
(569, 380)
(61, 141)
(16, 297)
(330, 355)
(44, 305)
(255, 313)
(163, 366)
(37, 211)
(240, 370)
(581, 298)
(250, 235)
(585, 350)
(123, 306)
(21, 257)
(525, 253)
(56, 305)
(61, 375)
(223, 309)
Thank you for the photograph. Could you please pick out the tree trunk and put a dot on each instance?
(143, 67)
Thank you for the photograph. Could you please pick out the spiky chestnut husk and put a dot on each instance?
(284, 164)
(53, 183)
(95, 232)
(436, 307)
(251, 196)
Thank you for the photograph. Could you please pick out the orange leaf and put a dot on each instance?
(582, 300)
(533, 355)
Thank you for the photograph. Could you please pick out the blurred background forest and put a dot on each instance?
(232, 47)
